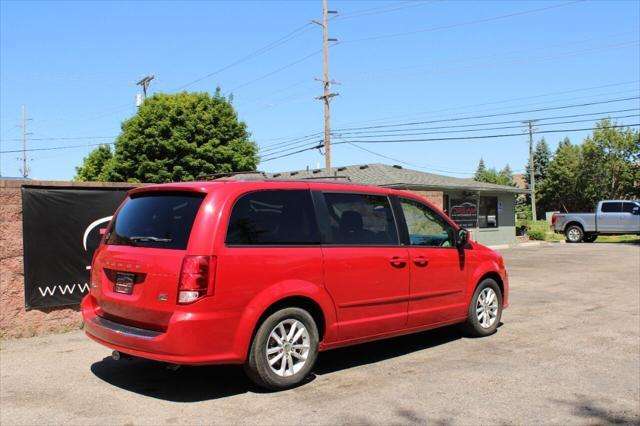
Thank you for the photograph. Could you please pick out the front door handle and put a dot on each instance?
(398, 261)
(420, 261)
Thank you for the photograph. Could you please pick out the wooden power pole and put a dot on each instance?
(25, 160)
(326, 97)
(532, 174)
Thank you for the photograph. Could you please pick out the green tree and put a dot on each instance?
(506, 176)
(503, 177)
(93, 165)
(609, 169)
(177, 138)
(559, 191)
(481, 171)
(541, 160)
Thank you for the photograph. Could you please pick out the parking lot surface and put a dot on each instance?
(567, 353)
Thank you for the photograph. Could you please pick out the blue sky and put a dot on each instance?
(74, 65)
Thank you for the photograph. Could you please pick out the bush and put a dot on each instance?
(540, 230)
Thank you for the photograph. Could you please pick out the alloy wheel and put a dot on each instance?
(287, 347)
(487, 307)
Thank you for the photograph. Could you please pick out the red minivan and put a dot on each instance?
(267, 273)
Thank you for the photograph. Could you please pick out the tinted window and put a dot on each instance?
(426, 227)
(488, 212)
(156, 220)
(612, 207)
(628, 207)
(273, 217)
(360, 219)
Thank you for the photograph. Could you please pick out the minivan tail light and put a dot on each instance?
(197, 278)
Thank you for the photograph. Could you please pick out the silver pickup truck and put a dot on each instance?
(612, 217)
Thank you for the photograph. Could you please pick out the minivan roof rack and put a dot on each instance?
(229, 174)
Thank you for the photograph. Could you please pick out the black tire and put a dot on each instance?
(473, 326)
(589, 238)
(257, 365)
(574, 234)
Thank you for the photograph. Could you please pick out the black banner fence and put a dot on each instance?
(61, 230)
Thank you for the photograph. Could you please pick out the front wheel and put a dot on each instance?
(283, 350)
(485, 309)
(574, 234)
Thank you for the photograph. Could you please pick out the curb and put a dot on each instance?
(524, 245)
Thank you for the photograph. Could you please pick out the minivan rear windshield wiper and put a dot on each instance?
(151, 238)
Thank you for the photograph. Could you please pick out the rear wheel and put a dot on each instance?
(283, 350)
(574, 234)
(589, 238)
(485, 309)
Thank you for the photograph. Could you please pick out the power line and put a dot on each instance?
(461, 24)
(366, 135)
(462, 138)
(496, 102)
(493, 115)
(282, 40)
(283, 147)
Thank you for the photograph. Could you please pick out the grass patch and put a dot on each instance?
(540, 230)
(618, 239)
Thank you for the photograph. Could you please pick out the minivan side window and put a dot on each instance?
(615, 207)
(360, 219)
(275, 217)
(425, 226)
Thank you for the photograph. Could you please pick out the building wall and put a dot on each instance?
(15, 320)
(505, 233)
(436, 197)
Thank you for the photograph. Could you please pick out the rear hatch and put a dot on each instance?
(137, 269)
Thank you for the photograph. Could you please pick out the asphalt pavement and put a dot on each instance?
(568, 352)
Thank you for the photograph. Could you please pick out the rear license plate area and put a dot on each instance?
(124, 283)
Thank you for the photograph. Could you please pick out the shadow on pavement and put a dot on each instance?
(592, 413)
(369, 353)
(193, 384)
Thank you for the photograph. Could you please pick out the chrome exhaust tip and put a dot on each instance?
(172, 367)
(116, 355)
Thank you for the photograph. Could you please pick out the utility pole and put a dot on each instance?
(25, 160)
(532, 175)
(145, 85)
(326, 97)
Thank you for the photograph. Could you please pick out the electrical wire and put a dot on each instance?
(493, 115)
(463, 138)
(462, 24)
(286, 38)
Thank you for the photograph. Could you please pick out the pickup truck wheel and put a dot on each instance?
(574, 234)
(485, 309)
(589, 238)
(283, 350)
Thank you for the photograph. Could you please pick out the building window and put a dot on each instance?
(488, 212)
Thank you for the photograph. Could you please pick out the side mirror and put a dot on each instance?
(463, 237)
(635, 210)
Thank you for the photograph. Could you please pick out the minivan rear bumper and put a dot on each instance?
(191, 338)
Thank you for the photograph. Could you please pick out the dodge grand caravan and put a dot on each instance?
(269, 273)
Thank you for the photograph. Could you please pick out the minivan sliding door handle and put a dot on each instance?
(398, 261)
(420, 261)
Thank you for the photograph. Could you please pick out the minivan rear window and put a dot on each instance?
(158, 220)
